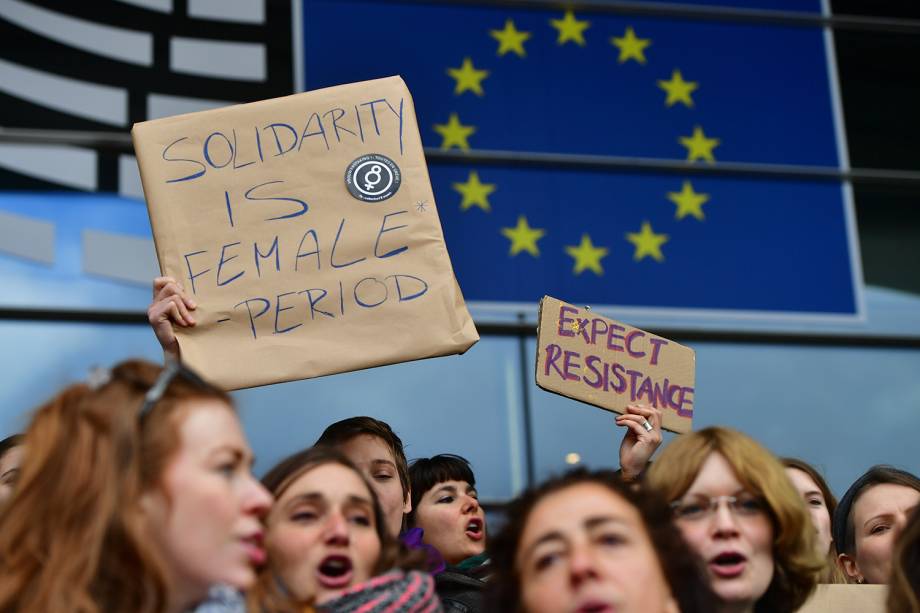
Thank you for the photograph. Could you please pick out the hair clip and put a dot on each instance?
(98, 376)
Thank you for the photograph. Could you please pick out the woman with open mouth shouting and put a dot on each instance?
(739, 512)
(329, 546)
(135, 495)
(445, 505)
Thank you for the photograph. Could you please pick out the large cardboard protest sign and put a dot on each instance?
(611, 364)
(306, 230)
(847, 599)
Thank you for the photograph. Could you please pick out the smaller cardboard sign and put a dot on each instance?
(847, 599)
(611, 365)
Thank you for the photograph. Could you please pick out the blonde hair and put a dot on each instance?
(796, 564)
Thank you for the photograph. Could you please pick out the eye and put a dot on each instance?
(689, 510)
(545, 561)
(227, 469)
(360, 519)
(382, 477)
(750, 505)
(878, 529)
(816, 502)
(610, 539)
(304, 516)
(445, 500)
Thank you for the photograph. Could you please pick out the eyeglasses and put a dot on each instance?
(173, 369)
(698, 508)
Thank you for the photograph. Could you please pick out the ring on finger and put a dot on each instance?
(648, 427)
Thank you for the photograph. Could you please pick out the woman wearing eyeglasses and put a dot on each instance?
(135, 495)
(736, 508)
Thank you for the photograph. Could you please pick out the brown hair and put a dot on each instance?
(904, 586)
(844, 530)
(269, 594)
(679, 566)
(72, 539)
(832, 572)
(796, 564)
(344, 430)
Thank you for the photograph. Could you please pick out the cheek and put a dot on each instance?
(695, 536)
(289, 545)
(875, 550)
(368, 549)
(544, 592)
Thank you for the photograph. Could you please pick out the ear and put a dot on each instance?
(407, 502)
(850, 568)
(152, 505)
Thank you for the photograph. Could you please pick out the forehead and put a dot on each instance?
(460, 486)
(332, 481)
(11, 459)
(568, 508)
(716, 477)
(802, 480)
(207, 424)
(367, 448)
(885, 498)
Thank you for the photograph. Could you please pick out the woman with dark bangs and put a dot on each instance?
(738, 511)
(445, 505)
(588, 542)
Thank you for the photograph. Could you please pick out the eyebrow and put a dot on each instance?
(10, 471)
(555, 535)
(384, 462)
(449, 489)
(317, 497)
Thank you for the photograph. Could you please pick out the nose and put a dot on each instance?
(470, 505)
(258, 500)
(581, 565)
(724, 523)
(335, 531)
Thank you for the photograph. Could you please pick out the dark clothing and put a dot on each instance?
(461, 587)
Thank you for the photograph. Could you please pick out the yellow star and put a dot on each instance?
(475, 193)
(688, 202)
(631, 48)
(468, 78)
(454, 133)
(510, 39)
(587, 256)
(678, 89)
(570, 29)
(698, 146)
(647, 242)
(523, 237)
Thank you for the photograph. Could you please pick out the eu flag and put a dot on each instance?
(564, 82)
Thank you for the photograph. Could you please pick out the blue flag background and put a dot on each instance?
(603, 83)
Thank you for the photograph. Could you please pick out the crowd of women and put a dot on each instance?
(133, 492)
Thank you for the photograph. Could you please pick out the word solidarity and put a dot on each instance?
(293, 223)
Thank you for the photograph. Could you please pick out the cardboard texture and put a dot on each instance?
(306, 230)
(610, 364)
(847, 599)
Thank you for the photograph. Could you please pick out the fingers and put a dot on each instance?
(652, 414)
(633, 423)
(171, 309)
(165, 287)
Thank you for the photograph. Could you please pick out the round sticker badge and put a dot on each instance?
(372, 177)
